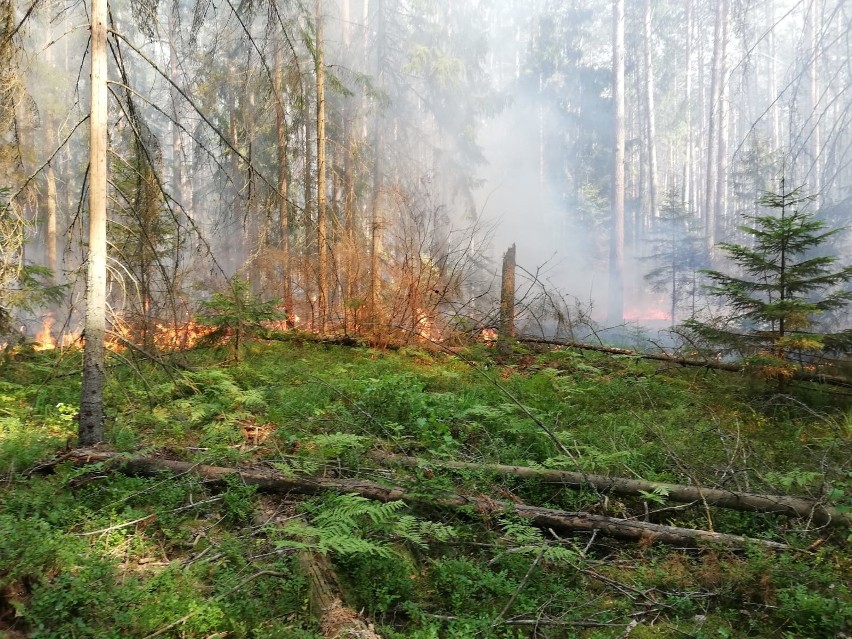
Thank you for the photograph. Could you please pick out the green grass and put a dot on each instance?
(87, 552)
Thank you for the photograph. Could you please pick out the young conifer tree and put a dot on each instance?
(783, 286)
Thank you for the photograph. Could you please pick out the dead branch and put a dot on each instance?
(731, 367)
(749, 502)
(273, 482)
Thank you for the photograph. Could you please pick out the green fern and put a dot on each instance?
(355, 525)
(528, 541)
(329, 446)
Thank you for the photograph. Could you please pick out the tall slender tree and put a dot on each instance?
(91, 429)
(322, 187)
(615, 310)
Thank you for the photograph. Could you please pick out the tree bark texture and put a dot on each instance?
(91, 429)
(270, 481)
(336, 621)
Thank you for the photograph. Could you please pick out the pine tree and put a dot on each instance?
(783, 287)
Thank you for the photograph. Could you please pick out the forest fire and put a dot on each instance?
(44, 338)
(174, 337)
(425, 327)
(647, 315)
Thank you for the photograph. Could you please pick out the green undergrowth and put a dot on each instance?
(165, 550)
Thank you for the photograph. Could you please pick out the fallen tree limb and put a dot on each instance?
(271, 481)
(750, 502)
(801, 376)
(336, 621)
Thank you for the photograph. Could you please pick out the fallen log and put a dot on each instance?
(731, 367)
(749, 502)
(336, 620)
(273, 482)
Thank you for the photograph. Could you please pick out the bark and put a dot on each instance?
(322, 223)
(270, 481)
(91, 429)
(507, 302)
(801, 376)
(283, 185)
(615, 310)
(50, 231)
(335, 619)
(307, 214)
(748, 502)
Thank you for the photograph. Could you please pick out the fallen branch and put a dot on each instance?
(271, 481)
(750, 502)
(731, 367)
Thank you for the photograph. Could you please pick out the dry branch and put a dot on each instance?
(273, 482)
(731, 367)
(750, 502)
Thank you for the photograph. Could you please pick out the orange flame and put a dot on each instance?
(44, 338)
(488, 335)
(180, 336)
(425, 327)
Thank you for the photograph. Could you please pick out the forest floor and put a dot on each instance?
(92, 550)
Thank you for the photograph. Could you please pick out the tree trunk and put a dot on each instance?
(689, 171)
(507, 302)
(615, 309)
(91, 429)
(283, 185)
(813, 26)
(350, 313)
(653, 210)
(322, 222)
(378, 178)
(714, 119)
